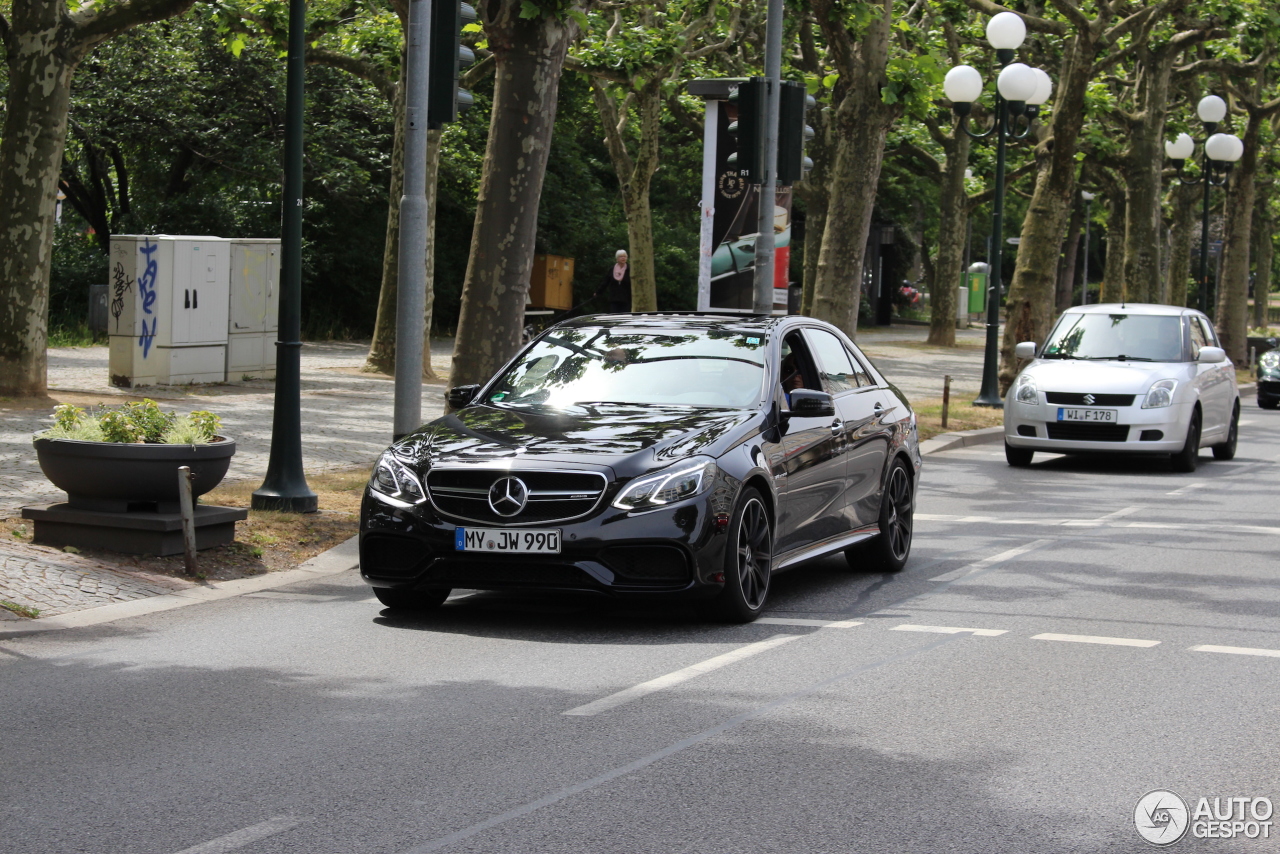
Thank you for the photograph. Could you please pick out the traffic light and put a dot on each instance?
(748, 128)
(793, 133)
(444, 98)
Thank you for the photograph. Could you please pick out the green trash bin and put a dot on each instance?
(975, 279)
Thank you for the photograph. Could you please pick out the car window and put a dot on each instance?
(1197, 337)
(1209, 335)
(834, 364)
(1119, 335)
(860, 371)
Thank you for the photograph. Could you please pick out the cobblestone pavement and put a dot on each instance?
(346, 421)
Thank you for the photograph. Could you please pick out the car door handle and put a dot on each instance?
(836, 427)
(878, 409)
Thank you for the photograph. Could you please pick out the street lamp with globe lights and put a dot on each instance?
(1020, 90)
(1220, 151)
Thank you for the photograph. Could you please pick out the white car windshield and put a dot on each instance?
(587, 366)
(1135, 337)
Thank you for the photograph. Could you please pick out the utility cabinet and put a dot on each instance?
(551, 282)
(255, 308)
(168, 305)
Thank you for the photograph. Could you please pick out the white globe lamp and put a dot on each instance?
(1044, 87)
(1017, 82)
(1211, 109)
(962, 85)
(1181, 148)
(1006, 31)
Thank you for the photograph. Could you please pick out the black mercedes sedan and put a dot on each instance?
(647, 455)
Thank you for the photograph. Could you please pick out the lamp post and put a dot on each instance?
(1020, 90)
(1088, 215)
(1220, 151)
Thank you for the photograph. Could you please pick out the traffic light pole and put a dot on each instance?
(764, 273)
(411, 291)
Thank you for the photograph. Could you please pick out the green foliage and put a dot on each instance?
(77, 263)
(132, 423)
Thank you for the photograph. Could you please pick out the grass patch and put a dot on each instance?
(961, 415)
(20, 610)
(78, 335)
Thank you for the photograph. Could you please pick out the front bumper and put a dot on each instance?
(1269, 386)
(673, 551)
(1036, 427)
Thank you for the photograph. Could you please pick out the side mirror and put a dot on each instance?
(460, 395)
(807, 403)
(1025, 350)
(1212, 355)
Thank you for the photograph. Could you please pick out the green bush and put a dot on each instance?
(132, 423)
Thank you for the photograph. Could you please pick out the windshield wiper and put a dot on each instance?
(1121, 358)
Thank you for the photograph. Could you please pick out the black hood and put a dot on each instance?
(630, 439)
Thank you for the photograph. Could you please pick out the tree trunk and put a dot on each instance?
(953, 221)
(814, 191)
(1232, 318)
(1112, 289)
(1263, 253)
(428, 304)
(529, 56)
(1143, 164)
(1029, 306)
(1181, 231)
(860, 123)
(382, 349)
(1070, 257)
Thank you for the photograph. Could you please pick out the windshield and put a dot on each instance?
(1137, 337)
(594, 366)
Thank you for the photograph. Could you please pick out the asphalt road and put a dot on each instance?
(1065, 639)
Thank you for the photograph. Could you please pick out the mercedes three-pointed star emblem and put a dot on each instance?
(508, 496)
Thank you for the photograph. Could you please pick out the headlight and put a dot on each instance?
(681, 481)
(1027, 391)
(1270, 359)
(393, 482)
(1161, 394)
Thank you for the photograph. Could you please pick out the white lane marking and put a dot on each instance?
(978, 566)
(1095, 639)
(292, 597)
(801, 621)
(1237, 650)
(1103, 520)
(244, 837)
(1200, 484)
(1181, 526)
(1248, 422)
(612, 701)
(951, 630)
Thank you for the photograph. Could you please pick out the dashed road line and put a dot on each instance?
(1050, 636)
(951, 630)
(247, 836)
(635, 692)
(1200, 484)
(978, 566)
(1236, 650)
(803, 621)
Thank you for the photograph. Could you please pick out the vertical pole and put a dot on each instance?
(990, 392)
(946, 398)
(768, 187)
(411, 295)
(187, 510)
(1088, 219)
(285, 486)
(710, 140)
(1202, 297)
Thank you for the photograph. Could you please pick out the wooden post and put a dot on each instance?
(187, 508)
(946, 398)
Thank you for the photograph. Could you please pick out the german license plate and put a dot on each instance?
(1100, 416)
(543, 541)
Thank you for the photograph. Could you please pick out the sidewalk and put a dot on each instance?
(346, 421)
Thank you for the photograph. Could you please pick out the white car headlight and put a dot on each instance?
(1270, 359)
(394, 483)
(681, 481)
(1027, 391)
(1160, 394)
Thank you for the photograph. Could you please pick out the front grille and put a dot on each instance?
(1070, 431)
(516, 572)
(647, 563)
(391, 557)
(1066, 398)
(554, 496)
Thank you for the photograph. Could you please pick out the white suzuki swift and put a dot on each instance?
(1126, 378)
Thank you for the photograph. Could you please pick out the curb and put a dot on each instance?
(951, 441)
(340, 558)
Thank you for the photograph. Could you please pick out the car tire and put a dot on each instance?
(1268, 402)
(1185, 461)
(1019, 457)
(889, 550)
(1227, 450)
(748, 562)
(411, 600)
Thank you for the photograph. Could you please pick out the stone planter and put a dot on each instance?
(115, 477)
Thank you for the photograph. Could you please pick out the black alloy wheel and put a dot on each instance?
(411, 600)
(889, 551)
(1019, 457)
(1185, 461)
(748, 562)
(1227, 450)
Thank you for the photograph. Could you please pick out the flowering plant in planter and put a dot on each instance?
(133, 423)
